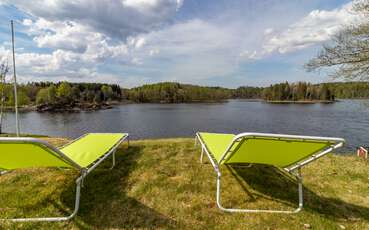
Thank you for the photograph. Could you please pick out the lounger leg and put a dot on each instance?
(202, 154)
(202, 149)
(3, 172)
(113, 160)
(54, 219)
(299, 179)
(301, 197)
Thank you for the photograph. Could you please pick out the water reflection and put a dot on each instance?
(348, 119)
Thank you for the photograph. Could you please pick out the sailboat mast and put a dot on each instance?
(15, 84)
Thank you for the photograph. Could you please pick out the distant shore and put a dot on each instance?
(73, 107)
(301, 102)
(79, 107)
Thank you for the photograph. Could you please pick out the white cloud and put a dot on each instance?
(84, 34)
(63, 64)
(138, 41)
(48, 63)
(116, 18)
(318, 26)
(148, 5)
(136, 61)
(140, 4)
(61, 35)
(154, 52)
(252, 55)
(192, 37)
(192, 50)
(268, 31)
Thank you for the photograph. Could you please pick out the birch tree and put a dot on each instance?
(348, 53)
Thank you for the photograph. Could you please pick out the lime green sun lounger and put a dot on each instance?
(288, 152)
(83, 154)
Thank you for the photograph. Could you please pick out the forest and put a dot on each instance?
(300, 91)
(349, 90)
(48, 96)
(169, 92)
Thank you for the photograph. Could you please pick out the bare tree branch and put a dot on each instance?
(348, 53)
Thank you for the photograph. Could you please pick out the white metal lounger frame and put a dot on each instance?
(290, 169)
(79, 181)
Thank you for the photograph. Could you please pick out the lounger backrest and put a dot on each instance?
(18, 153)
(89, 148)
(281, 151)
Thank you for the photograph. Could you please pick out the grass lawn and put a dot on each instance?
(161, 184)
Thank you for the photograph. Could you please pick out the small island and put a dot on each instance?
(298, 93)
(61, 96)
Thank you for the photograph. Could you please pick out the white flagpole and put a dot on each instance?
(15, 85)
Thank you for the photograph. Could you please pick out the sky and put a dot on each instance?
(227, 43)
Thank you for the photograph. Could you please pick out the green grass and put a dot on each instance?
(161, 184)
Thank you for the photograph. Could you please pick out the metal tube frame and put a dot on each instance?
(17, 127)
(79, 181)
(291, 170)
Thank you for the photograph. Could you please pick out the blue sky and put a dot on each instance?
(206, 42)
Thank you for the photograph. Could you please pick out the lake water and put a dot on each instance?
(348, 119)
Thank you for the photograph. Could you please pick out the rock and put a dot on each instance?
(307, 226)
(72, 107)
(341, 226)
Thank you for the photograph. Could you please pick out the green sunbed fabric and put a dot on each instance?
(27, 155)
(271, 151)
(281, 153)
(217, 143)
(91, 147)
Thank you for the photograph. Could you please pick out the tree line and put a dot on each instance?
(349, 90)
(74, 94)
(300, 91)
(61, 93)
(64, 92)
(169, 92)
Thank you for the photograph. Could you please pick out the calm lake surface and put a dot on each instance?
(348, 119)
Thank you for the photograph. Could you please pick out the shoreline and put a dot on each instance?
(301, 102)
(77, 107)
(87, 107)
